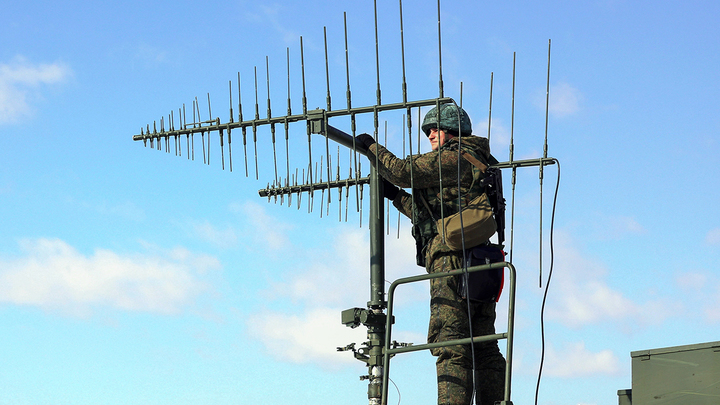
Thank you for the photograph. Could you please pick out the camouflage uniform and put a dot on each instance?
(448, 311)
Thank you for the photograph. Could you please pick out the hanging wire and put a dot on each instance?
(547, 284)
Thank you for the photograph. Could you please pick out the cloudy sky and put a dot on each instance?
(131, 275)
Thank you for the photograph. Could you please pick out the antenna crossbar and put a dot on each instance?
(309, 116)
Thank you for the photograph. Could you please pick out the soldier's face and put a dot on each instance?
(438, 137)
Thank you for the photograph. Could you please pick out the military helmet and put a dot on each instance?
(448, 120)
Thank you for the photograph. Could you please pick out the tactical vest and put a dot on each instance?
(428, 207)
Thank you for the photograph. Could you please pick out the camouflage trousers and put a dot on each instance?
(449, 320)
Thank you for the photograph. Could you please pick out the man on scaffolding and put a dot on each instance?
(443, 184)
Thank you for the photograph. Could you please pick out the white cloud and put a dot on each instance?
(499, 134)
(713, 237)
(310, 337)
(54, 276)
(346, 267)
(581, 294)
(564, 99)
(614, 227)
(576, 361)
(264, 229)
(19, 81)
(269, 16)
(223, 238)
(334, 279)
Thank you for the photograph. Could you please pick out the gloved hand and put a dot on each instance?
(364, 139)
(390, 190)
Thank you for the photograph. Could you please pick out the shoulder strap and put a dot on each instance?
(475, 162)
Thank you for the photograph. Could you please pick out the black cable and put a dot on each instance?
(462, 236)
(397, 388)
(547, 284)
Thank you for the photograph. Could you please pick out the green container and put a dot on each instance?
(681, 375)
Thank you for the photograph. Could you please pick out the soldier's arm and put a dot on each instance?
(420, 170)
(403, 203)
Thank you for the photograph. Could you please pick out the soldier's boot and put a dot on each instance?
(490, 382)
(454, 383)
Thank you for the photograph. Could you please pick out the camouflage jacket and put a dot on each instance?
(423, 173)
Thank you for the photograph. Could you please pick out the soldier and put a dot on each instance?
(447, 131)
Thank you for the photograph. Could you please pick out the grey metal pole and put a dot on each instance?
(376, 305)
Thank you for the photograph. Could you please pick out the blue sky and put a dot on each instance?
(129, 275)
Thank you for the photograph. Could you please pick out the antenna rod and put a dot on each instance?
(228, 129)
(545, 149)
(257, 116)
(307, 124)
(347, 64)
(402, 54)
(269, 115)
(209, 120)
(514, 169)
(244, 130)
(377, 56)
(490, 104)
(329, 108)
(289, 113)
(440, 53)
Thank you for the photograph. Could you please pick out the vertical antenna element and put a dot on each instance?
(257, 117)
(512, 156)
(440, 83)
(329, 108)
(307, 124)
(287, 129)
(347, 69)
(377, 56)
(240, 119)
(327, 71)
(229, 131)
(402, 54)
(547, 106)
(545, 148)
(209, 120)
(269, 115)
(490, 105)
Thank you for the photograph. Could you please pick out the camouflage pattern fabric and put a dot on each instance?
(448, 311)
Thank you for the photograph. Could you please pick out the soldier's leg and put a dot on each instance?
(489, 362)
(449, 321)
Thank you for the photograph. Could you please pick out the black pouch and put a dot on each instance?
(483, 285)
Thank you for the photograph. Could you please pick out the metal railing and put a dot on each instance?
(388, 352)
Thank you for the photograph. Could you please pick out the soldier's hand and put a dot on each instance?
(365, 139)
(390, 190)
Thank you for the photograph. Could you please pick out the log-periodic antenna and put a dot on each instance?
(324, 175)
